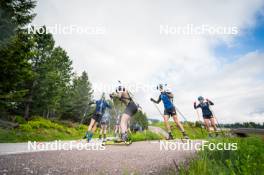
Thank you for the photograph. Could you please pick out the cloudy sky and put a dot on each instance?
(126, 41)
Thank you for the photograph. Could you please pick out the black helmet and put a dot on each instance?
(200, 98)
(160, 86)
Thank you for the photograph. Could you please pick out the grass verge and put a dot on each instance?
(247, 159)
(40, 129)
(193, 131)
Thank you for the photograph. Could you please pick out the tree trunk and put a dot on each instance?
(27, 107)
(47, 116)
(26, 114)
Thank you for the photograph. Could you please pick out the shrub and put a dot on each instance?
(81, 128)
(25, 127)
(20, 120)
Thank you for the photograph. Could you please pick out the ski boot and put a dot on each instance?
(124, 138)
(185, 136)
(89, 136)
(170, 137)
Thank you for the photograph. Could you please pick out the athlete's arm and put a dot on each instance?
(158, 101)
(209, 102)
(92, 102)
(196, 106)
(113, 95)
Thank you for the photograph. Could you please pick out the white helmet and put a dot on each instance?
(120, 87)
(163, 87)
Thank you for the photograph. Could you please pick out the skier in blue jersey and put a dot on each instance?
(100, 108)
(169, 110)
(208, 116)
(104, 123)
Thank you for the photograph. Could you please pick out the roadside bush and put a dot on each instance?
(25, 127)
(38, 122)
(81, 128)
(20, 119)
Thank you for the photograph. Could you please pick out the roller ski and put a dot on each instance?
(185, 138)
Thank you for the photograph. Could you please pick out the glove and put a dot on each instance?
(194, 105)
(151, 99)
(111, 96)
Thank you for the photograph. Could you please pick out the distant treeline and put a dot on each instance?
(244, 125)
(232, 125)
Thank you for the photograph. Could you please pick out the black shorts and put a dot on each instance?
(170, 112)
(104, 122)
(131, 109)
(97, 117)
(208, 116)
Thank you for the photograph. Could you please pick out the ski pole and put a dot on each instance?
(184, 118)
(115, 110)
(158, 108)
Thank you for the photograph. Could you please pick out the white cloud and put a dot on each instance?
(133, 50)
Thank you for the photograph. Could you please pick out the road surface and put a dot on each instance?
(138, 158)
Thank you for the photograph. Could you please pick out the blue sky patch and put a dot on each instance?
(250, 41)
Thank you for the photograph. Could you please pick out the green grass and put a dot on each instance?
(193, 131)
(40, 129)
(247, 159)
(144, 135)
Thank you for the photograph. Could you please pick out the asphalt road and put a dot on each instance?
(138, 158)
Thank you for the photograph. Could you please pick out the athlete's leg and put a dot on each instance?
(91, 124)
(119, 129)
(101, 131)
(94, 127)
(178, 123)
(89, 133)
(167, 125)
(207, 124)
(104, 131)
(124, 121)
(116, 128)
(166, 122)
(213, 124)
(128, 126)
